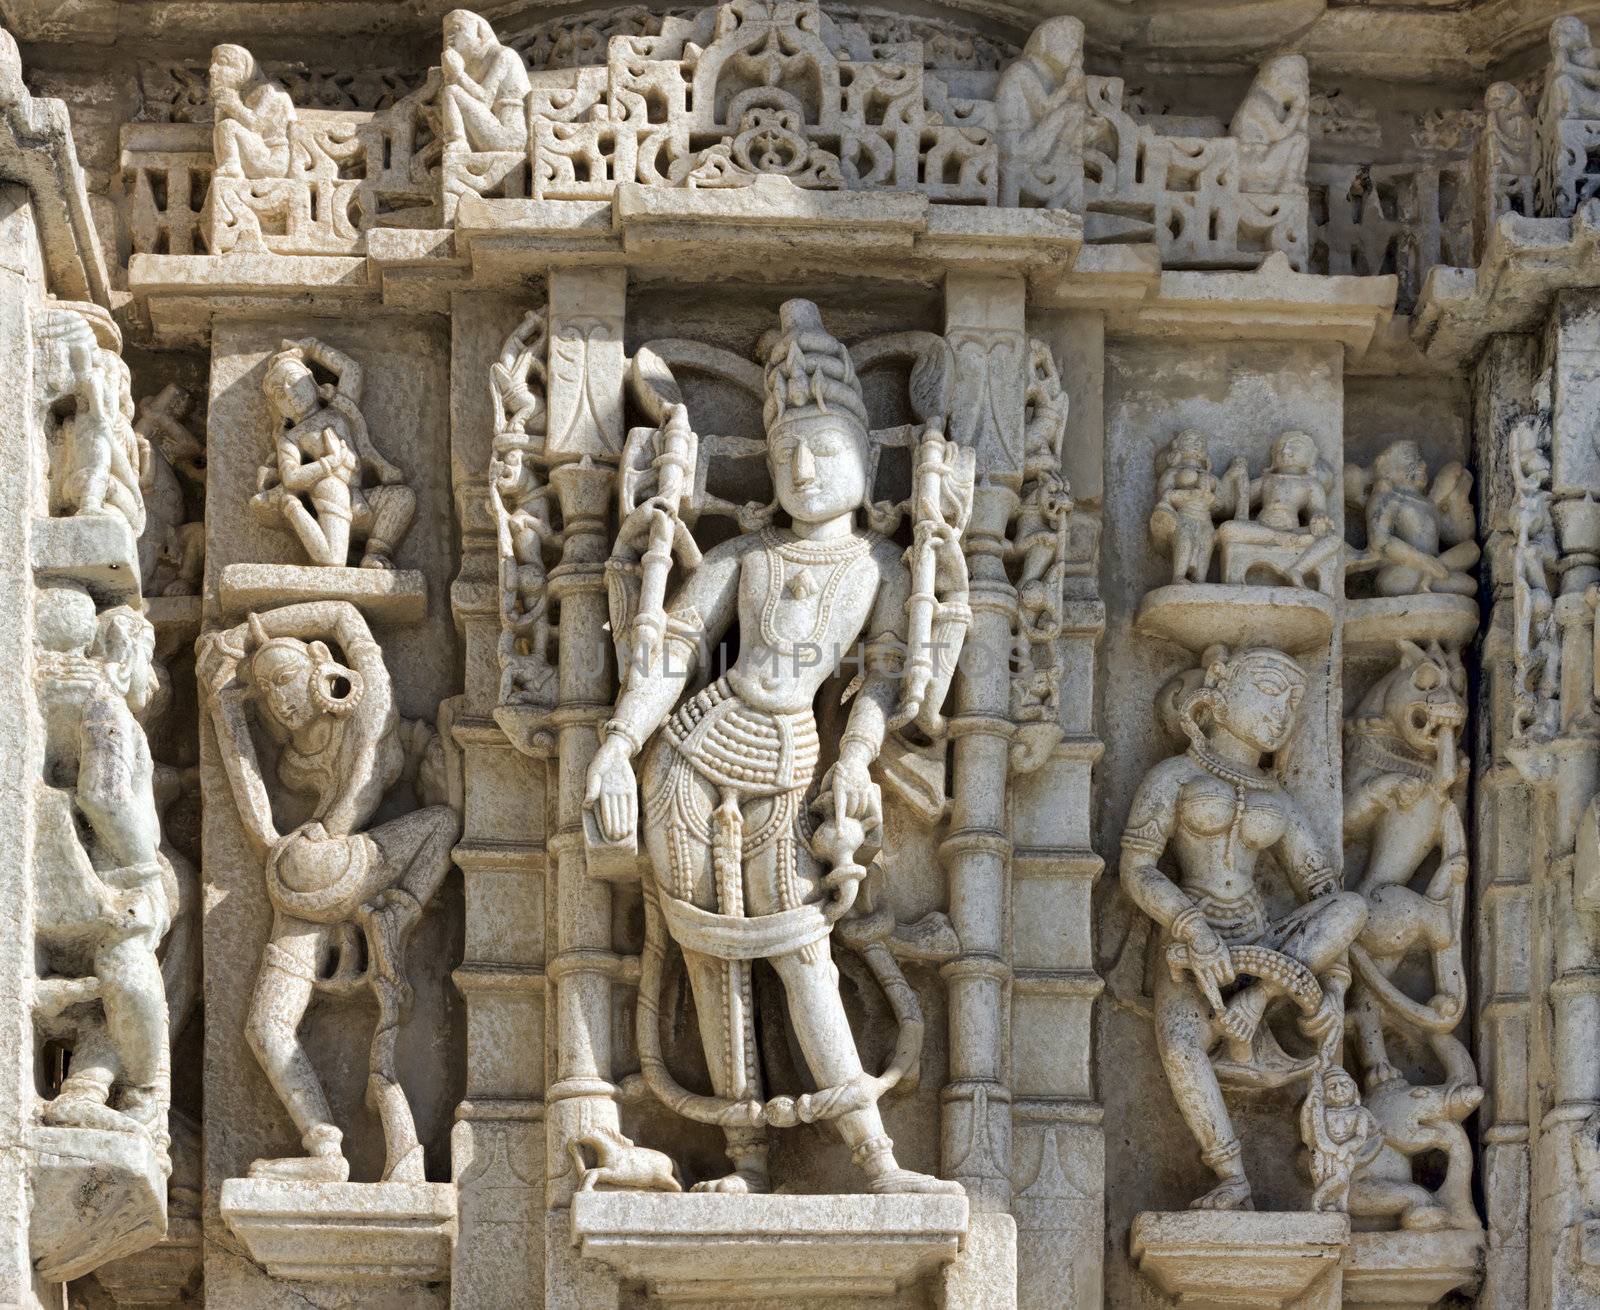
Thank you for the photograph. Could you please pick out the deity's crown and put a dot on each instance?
(808, 369)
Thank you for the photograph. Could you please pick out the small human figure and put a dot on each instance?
(1536, 640)
(1291, 499)
(1420, 540)
(107, 890)
(483, 99)
(1040, 535)
(171, 549)
(522, 507)
(1187, 499)
(1040, 106)
(1271, 126)
(1340, 1134)
(94, 462)
(343, 743)
(250, 137)
(321, 453)
(1572, 86)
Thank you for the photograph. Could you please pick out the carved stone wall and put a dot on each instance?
(790, 654)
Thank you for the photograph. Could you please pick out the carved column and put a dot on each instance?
(1505, 855)
(497, 1145)
(1059, 1147)
(20, 760)
(1569, 937)
(586, 322)
(985, 323)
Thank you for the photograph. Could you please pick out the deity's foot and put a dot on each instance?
(1425, 1219)
(304, 1169)
(1260, 1063)
(909, 1181)
(742, 1182)
(376, 560)
(84, 1110)
(1229, 1194)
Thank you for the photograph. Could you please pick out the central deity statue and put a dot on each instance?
(740, 870)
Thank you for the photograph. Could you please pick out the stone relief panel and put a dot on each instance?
(714, 99)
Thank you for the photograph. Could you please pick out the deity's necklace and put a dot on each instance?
(842, 554)
(1238, 778)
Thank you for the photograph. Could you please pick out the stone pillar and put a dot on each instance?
(585, 406)
(1059, 1141)
(20, 759)
(985, 323)
(1569, 936)
(497, 1145)
(1504, 857)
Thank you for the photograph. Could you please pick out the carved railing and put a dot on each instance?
(1373, 219)
(717, 98)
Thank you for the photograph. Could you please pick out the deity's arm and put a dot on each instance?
(1309, 871)
(1152, 820)
(347, 373)
(1452, 497)
(697, 616)
(507, 78)
(298, 475)
(242, 764)
(883, 663)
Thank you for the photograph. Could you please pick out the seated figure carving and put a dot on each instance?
(1572, 85)
(1419, 538)
(484, 94)
(322, 453)
(1293, 533)
(343, 746)
(250, 136)
(1216, 812)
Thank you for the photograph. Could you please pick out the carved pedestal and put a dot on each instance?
(1207, 1259)
(692, 1250)
(344, 1232)
(159, 1274)
(1393, 1271)
(97, 1195)
(386, 595)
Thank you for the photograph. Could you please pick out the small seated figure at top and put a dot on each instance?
(320, 453)
(1419, 539)
(251, 135)
(1187, 498)
(1271, 126)
(1291, 499)
(1573, 85)
(483, 101)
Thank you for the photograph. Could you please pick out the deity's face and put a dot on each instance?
(1340, 1089)
(1403, 467)
(293, 390)
(231, 66)
(1293, 452)
(283, 676)
(1259, 702)
(819, 466)
(1567, 35)
(464, 32)
(1189, 451)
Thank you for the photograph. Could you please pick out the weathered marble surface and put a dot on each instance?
(590, 594)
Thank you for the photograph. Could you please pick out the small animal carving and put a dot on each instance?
(621, 1164)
